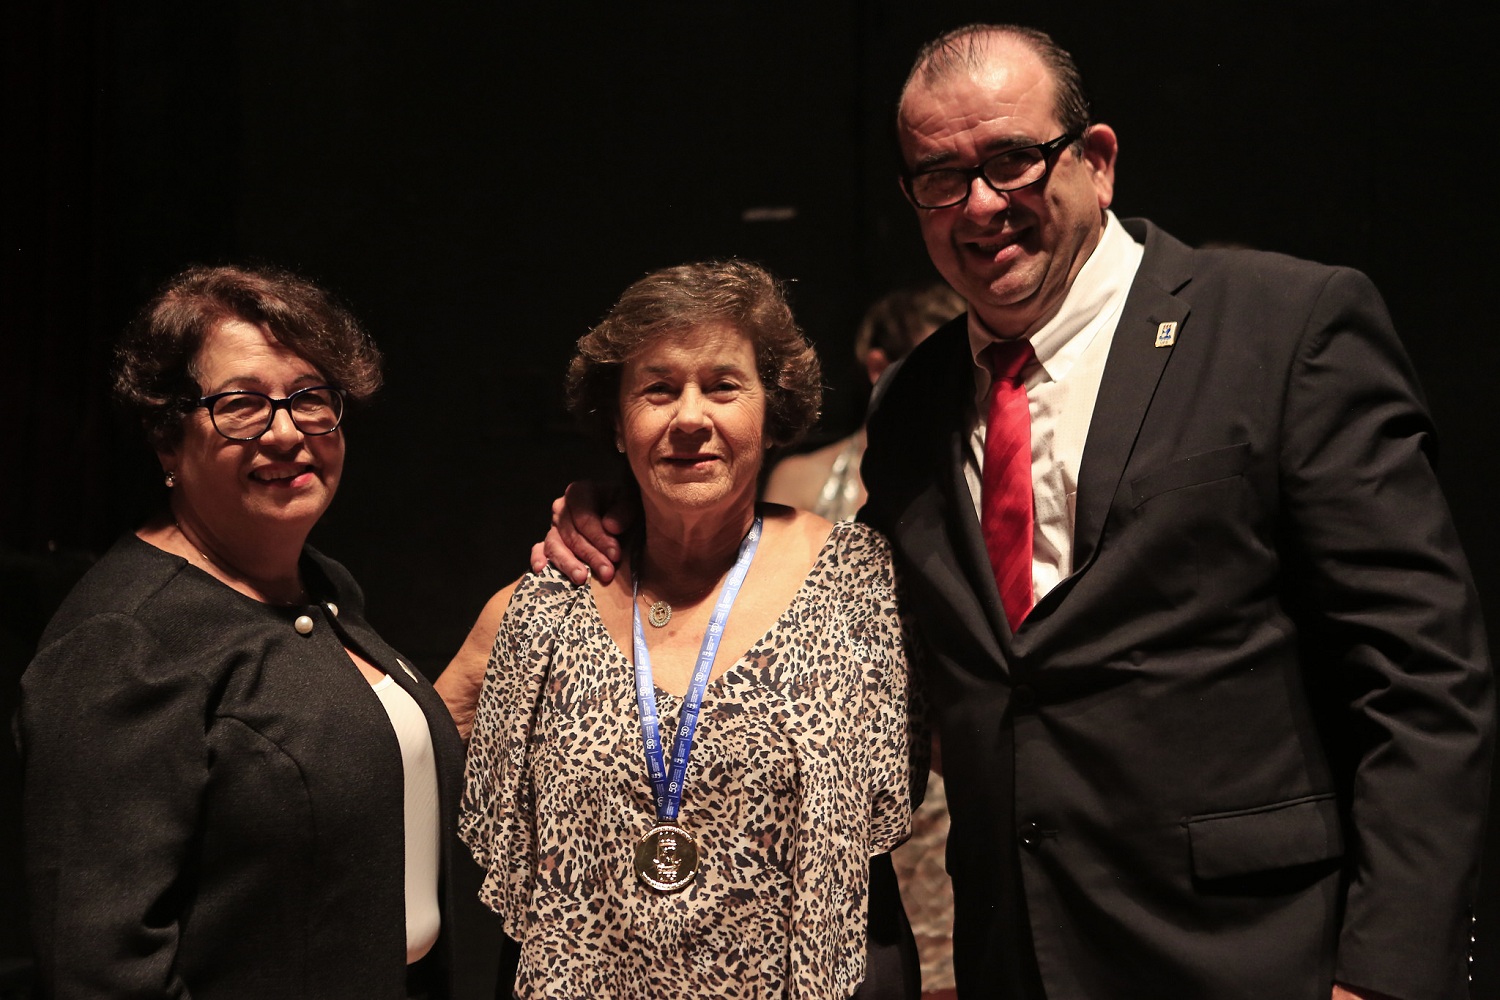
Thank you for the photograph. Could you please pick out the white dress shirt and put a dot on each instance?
(1071, 350)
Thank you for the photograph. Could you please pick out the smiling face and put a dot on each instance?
(692, 421)
(239, 490)
(1012, 256)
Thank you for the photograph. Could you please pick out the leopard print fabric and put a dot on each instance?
(801, 769)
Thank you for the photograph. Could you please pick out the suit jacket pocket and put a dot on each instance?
(1221, 463)
(1299, 832)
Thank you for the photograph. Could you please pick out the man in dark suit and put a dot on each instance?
(1240, 744)
(1227, 731)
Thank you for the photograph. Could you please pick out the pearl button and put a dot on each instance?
(333, 609)
(303, 624)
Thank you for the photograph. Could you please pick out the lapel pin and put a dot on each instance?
(1166, 335)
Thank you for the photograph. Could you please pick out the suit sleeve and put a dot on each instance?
(114, 769)
(1396, 647)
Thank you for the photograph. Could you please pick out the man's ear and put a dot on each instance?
(1100, 147)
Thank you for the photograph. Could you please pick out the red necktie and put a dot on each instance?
(1006, 502)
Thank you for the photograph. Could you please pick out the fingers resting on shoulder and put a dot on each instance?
(587, 521)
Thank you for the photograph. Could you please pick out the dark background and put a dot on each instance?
(479, 184)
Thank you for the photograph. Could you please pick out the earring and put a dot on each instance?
(171, 479)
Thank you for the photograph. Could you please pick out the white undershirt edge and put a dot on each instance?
(419, 769)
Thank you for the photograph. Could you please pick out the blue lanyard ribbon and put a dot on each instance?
(668, 786)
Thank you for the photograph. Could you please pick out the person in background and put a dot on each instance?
(233, 788)
(827, 482)
(677, 781)
(1206, 659)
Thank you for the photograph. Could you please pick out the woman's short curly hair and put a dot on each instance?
(675, 299)
(154, 359)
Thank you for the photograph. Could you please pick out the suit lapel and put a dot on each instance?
(1131, 374)
(944, 537)
(965, 538)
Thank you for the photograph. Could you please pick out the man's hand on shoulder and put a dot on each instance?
(586, 524)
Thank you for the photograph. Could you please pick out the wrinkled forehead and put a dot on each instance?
(966, 128)
(716, 345)
(967, 112)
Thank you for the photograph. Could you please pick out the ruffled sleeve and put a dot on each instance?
(893, 710)
(496, 821)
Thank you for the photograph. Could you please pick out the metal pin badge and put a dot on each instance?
(1166, 335)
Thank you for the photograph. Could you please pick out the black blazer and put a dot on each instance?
(213, 801)
(1244, 748)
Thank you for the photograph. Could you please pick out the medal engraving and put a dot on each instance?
(666, 859)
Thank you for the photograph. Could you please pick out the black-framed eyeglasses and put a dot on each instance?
(242, 415)
(1004, 172)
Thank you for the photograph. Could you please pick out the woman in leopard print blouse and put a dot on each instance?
(803, 761)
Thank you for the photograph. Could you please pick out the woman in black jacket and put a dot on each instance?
(233, 787)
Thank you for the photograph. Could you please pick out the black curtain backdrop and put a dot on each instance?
(480, 185)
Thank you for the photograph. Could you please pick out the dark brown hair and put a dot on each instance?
(154, 359)
(966, 48)
(677, 299)
(898, 320)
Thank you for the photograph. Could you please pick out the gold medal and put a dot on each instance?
(666, 859)
(660, 614)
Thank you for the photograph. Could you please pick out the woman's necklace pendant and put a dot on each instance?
(660, 613)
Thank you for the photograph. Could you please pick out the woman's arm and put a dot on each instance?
(461, 681)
